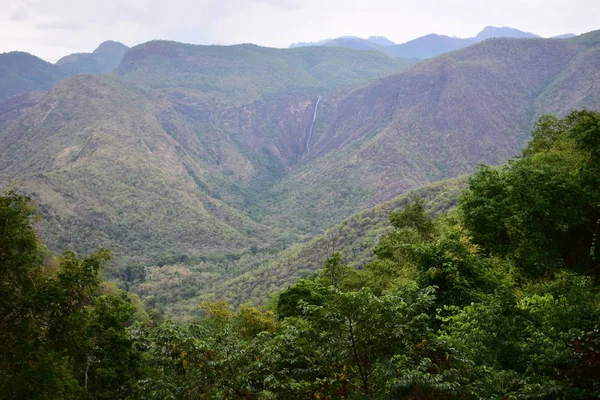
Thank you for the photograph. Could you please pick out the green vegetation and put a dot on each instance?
(61, 336)
(191, 162)
(496, 299)
(98, 152)
(249, 277)
(245, 73)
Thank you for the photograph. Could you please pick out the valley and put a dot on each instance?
(201, 217)
(223, 160)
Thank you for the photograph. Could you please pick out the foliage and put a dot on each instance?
(59, 338)
(542, 210)
(496, 300)
(195, 157)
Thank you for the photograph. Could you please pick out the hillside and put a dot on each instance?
(437, 120)
(99, 152)
(120, 182)
(178, 288)
(221, 157)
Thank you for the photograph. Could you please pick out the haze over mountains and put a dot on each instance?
(22, 72)
(218, 157)
(424, 47)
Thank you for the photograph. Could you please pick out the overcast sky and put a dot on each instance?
(53, 28)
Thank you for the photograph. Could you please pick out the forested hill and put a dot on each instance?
(199, 154)
(251, 277)
(496, 300)
(245, 73)
(99, 151)
(439, 119)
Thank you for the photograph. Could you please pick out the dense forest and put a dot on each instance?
(495, 299)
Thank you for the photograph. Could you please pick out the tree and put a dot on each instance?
(49, 309)
(542, 210)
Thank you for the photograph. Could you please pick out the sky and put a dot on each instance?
(51, 29)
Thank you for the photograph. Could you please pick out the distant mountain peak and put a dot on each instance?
(105, 58)
(380, 40)
(111, 46)
(350, 41)
(504, 31)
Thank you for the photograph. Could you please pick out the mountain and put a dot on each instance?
(432, 45)
(22, 72)
(243, 73)
(378, 43)
(352, 42)
(424, 47)
(307, 44)
(161, 159)
(219, 157)
(97, 159)
(104, 59)
(380, 40)
(498, 32)
(428, 46)
(436, 120)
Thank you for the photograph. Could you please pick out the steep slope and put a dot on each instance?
(99, 152)
(224, 156)
(437, 120)
(106, 173)
(14, 107)
(106, 58)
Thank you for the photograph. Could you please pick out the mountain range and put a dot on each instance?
(424, 47)
(21, 72)
(213, 162)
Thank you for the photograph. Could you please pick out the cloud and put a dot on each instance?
(46, 28)
(18, 15)
(61, 26)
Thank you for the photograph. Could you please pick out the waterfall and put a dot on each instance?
(312, 124)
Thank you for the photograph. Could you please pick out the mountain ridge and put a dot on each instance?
(424, 47)
(173, 168)
(23, 72)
